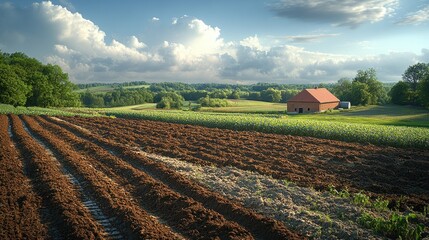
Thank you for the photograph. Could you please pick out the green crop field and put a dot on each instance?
(282, 124)
(248, 106)
(8, 109)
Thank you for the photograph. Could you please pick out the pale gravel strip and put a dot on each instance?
(314, 214)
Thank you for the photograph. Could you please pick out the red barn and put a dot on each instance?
(312, 100)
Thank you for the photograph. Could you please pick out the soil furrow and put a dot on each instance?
(307, 161)
(72, 219)
(182, 212)
(20, 205)
(130, 219)
(88, 201)
(259, 225)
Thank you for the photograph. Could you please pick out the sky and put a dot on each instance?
(237, 42)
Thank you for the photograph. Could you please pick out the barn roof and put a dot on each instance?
(314, 95)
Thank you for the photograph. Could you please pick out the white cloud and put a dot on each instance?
(252, 42)
(155, 19)
(350, 13)
(415, 18)
(135, 43)
(187, 49)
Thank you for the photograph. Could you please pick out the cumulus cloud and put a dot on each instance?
(349, 13)
(251, 42)
(309, 38)
(155, 19)
(290, 64)
(187, 49)
(415, 18)
(135, 43)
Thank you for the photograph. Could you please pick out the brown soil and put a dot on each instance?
(394, 173)
(183, 213)
(149, 200)
(73, 219)
(132, 221)
(258, 225)
(19, 204)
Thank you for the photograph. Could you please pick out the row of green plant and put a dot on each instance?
(394, 224)
(361, 199)
(352, 132)
(9, 109)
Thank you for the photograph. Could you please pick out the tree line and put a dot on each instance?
(25, 81)
(365, 89)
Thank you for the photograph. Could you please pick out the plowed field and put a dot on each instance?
(80, 178)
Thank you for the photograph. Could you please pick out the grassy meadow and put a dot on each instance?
(394, 115)
(248, 106)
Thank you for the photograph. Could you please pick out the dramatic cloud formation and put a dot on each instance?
(349, 13)
(416, 18)
(186, 49)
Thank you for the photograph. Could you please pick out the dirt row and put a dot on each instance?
(130, 218)
(69, 215)
(19, 203)
(181, 212)
(391, 172)
(258, 225)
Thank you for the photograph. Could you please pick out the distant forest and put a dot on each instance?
(208, 94)
(25, 81)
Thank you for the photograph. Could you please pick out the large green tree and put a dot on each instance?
(423, 90)
(343, 89)
(47, 85)
(400, 93)
(415, 73)
(13, 90)
(360, 94)
(271, 95)
(377, 93)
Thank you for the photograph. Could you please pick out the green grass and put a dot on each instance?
(8, 109)
(137, 86)
(381, 115)
(98, 89)
(139, 107)
(249, 106)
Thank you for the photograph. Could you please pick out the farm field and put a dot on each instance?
(248, 106)
(121, 178)
(394, 115)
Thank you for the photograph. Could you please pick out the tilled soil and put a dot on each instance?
(142, 199)
(258, 225)
(73, 220)
(398, 174)
(145, 198)
(19, 204)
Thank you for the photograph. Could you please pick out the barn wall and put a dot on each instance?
(294, 107)
(314, 107)
(326, 106)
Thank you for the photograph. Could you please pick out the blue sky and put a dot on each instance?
(284, 41)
